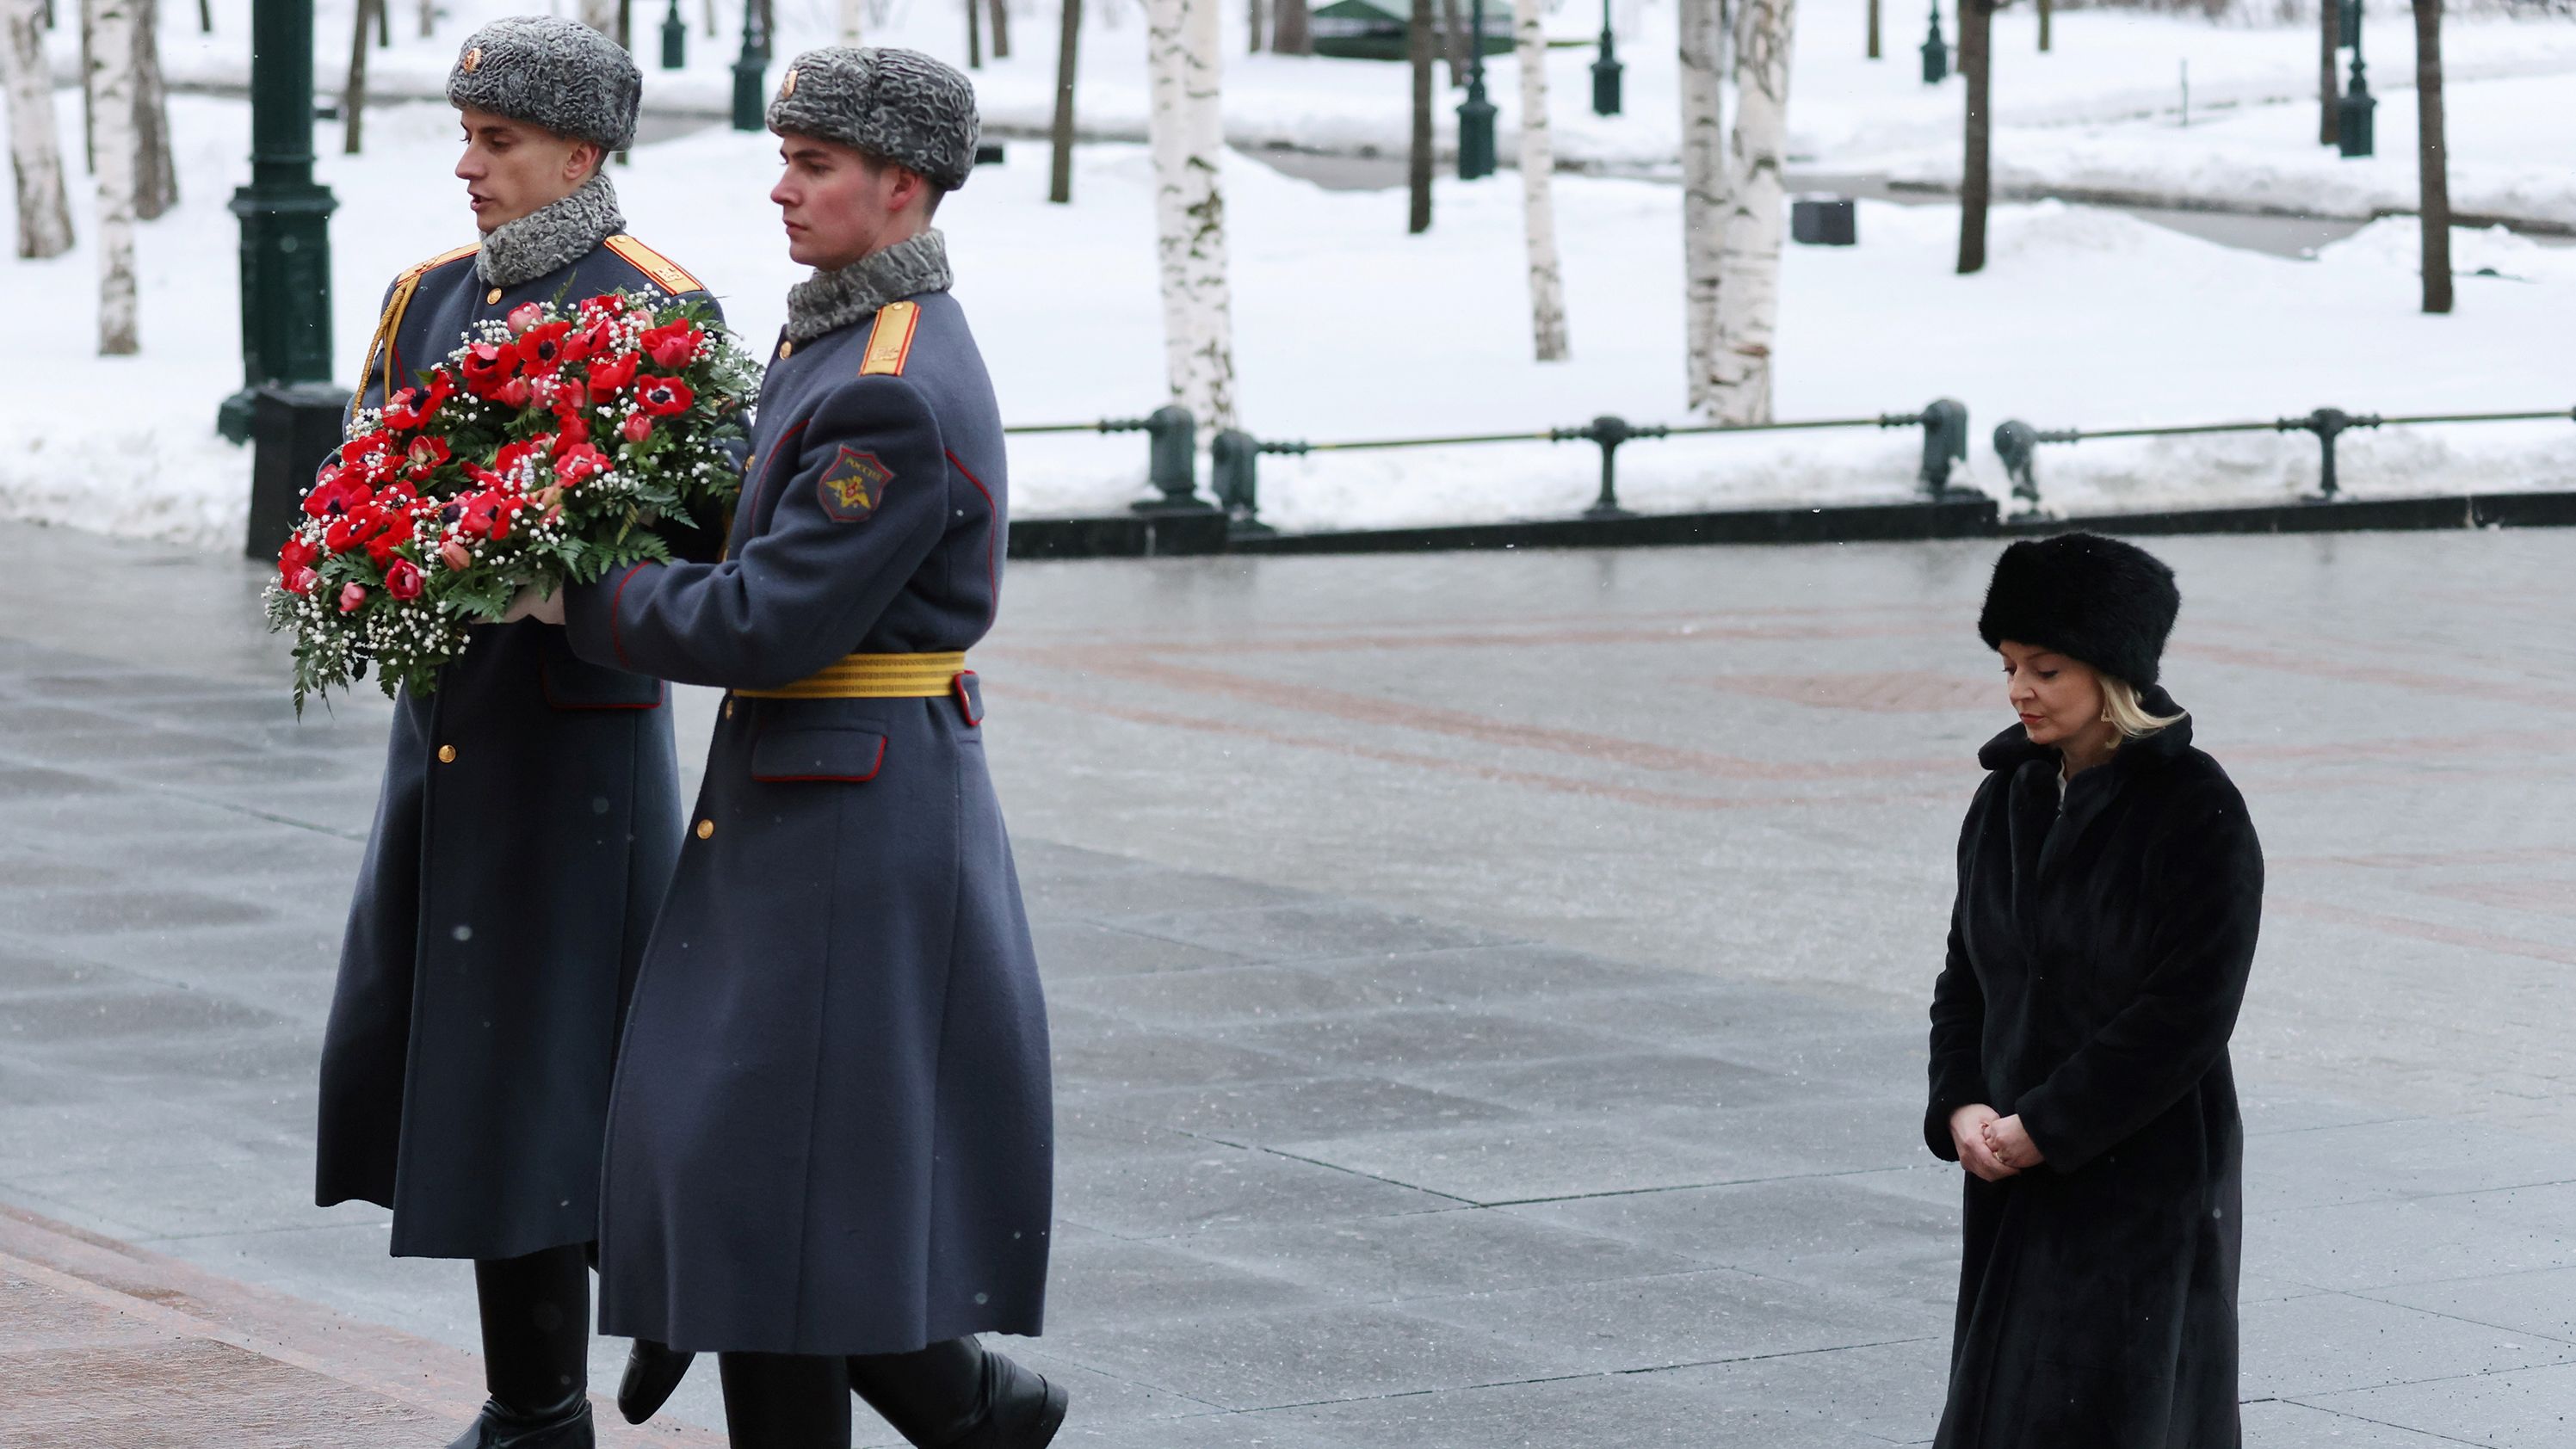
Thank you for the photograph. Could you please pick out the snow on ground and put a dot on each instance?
(1349, 329)
(2114, 75)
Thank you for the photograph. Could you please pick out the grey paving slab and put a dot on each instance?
(1882, 1393)
(2325, 1343)
(1683, 1318)
(1651, 976)
(2526, 1409)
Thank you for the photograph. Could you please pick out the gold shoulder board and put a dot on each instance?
(381, 345)
(667, 274)
(890, 340)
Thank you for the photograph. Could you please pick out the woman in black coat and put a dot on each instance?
(2110, 889)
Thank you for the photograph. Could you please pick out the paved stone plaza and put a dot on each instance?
(1488, 996)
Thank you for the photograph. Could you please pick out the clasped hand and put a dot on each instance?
(1992, 1146)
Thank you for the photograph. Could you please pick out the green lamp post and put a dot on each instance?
(675, 39)
(285, 219)
(1476, 114)
(1936, 52)
(2353, 112)
(750, 79)
(1606, 70)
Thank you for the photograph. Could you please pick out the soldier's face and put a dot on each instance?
(511, 168)
(839, 206)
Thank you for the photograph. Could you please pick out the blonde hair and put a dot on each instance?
(2121, 707)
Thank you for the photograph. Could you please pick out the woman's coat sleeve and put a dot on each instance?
(2147, 1056)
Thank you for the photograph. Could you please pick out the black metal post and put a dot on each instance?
(285, 218)
(750, 79)
(675, 39)
(2353, 112)
(1606, 70)
(1476, 114)
(1172, 460)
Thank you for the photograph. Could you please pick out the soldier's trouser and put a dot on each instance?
(536, 1327)
(798, 1401)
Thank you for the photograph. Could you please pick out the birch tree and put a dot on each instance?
(111, 88)
(1001, 30)
(1538, 191)
(2432, 160)
(353, 93)
(1748, 300)
(1187, 128)
(1418, 154)
(1703, 186)
(35, 153)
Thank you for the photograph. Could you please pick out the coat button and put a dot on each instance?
(785, 348)
(447, 754)
(706, 829)
(492, 296)
(728, 709)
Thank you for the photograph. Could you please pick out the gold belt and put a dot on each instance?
(873, 676)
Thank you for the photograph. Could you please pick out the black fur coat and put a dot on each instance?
(2097, 959)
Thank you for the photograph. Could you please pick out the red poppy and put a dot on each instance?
(299, 556)
(572, 426)
(391, 533)
(673, 345)
(423, 457)
(578, 462)
(488, 366)
(515, 393)
(402, 579)
(663, 396)
(337, 493)
(541, 349)
(609, 378)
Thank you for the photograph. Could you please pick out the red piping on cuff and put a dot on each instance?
(993, 512)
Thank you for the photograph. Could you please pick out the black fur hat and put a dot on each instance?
(2108, 603)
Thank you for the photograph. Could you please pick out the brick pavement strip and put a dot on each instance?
(109, 1346)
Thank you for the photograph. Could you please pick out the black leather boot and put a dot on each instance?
(960, 1395)
(564, 1426)
(652, 1372)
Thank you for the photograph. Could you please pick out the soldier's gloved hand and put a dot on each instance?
(526, 604)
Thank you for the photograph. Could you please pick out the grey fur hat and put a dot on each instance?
(896, 105)
(559, 74)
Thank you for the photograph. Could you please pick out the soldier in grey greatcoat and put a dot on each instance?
(830, 1152)
(530, 810)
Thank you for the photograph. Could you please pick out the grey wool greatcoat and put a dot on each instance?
(2097, 959)
(528, 819)
(832, 1131)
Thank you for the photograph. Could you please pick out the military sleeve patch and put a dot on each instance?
(854, 485)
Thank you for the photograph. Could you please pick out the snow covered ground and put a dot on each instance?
(2099, 110)
(1347, 328)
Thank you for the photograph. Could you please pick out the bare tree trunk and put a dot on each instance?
(1976, 62)
(1748, 300)
(2432, 157)
(1453, 38)
(974, 34)
(2329, 118)
(625, 31)
(205, 17)
(428, 17)
(711, 19)
(2047, 12)
(600, 15)
(1068, 45)
(353, 92)
(853, 18)
(1703, 186)
(111, 86)
(1289, 31)
(89, 97)
(1418, 155)
(1873, 29)
(156, 181)
(1001, 30)
(1538, 191)
(385, 27)
(35, 153)
(1255, 24)
(1187, 127)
